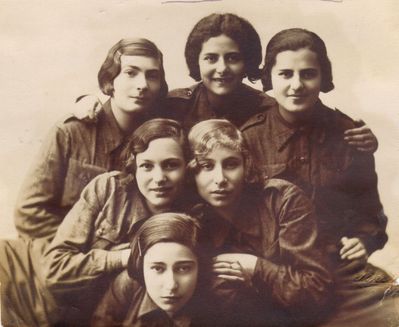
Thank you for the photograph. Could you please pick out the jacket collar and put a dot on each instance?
(148, 307)
(109, 128)
(283, 132)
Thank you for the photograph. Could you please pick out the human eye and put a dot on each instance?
(210, 58)
(172, 164)
(146, 166)
(153, 75)
(184, 268)
(234, 57)
(206, 165)
(130, 72)
(157, 268)
(232, 163)
(309, 73)
(285, 73)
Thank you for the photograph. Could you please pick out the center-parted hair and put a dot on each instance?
(236, 28)
(111, 67)
(294, 39)
(210, 134)
(165, 227)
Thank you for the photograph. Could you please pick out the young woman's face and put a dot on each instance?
(170, 275)
(221, 64)
(138, 84)
(160, 173)
(296, 80)
(220, 178)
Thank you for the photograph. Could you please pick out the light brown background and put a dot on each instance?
(51, 52)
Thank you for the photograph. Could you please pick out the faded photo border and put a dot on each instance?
(52, 50)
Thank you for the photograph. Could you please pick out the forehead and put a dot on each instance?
(169, 253)
(221, 43)
(303, 57)
(161, 149)
(220, 153)
(141, 62)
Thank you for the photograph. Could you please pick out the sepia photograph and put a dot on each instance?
(199, 163)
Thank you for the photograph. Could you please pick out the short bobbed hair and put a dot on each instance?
(210, 134)
(164, 227)
(111, 67)
(151, 130)
(294, 39)
(236, 28)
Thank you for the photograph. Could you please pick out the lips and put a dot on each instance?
(170, 299)
(161, 190)
(222, 80)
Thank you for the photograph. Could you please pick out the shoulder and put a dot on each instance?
(260, 118)
(103, 183)
(284, 191)
(336, 118)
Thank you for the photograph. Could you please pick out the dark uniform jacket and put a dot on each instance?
(190, 105)
(73, 153)
(341, 181)
(277, 224)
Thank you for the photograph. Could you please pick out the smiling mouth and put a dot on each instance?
(222, 79)
(161, 190)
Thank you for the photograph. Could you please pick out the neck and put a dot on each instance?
(218, 101)
(227, 213)
(296, 118)
(127, 122)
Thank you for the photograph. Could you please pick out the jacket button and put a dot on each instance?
(302, 159)
(189, 92)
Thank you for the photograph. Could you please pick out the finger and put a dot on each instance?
(358, 130)
(227, 271)
(232, 278)
(358, 255)
(347, 246)
(359, 138)
(221, 265)
(352, 251)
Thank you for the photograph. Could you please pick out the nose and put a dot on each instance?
(170, 281)
(221, 65)
(218, 175)
(158, 175)
(296, 82)
(141, 81)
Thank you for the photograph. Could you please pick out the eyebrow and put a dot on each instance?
(138, 68)
(178, 262)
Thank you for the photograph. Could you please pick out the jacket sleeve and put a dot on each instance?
(365, 219)
(70, 262)
(113, 307)
(299, 278)
(38, 211)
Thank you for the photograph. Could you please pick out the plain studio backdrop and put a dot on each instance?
(51, 52)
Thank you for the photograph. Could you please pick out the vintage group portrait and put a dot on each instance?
(199, 163)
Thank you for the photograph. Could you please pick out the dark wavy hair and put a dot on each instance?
(233, 26)
(153, 129)
(165, 227)
(209, 134)
(129, 47)
(294, 39)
